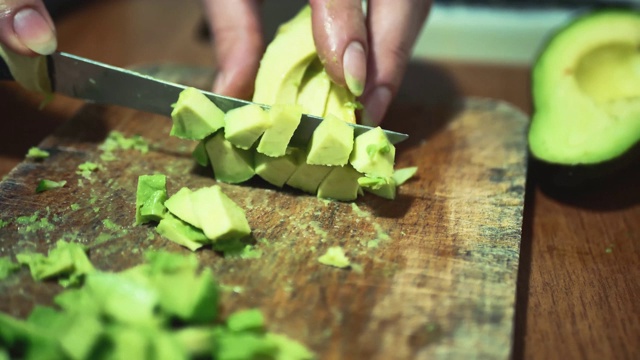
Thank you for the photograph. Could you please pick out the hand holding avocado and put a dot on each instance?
(368, 54)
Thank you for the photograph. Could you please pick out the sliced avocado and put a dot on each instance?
(373, 154)
(230, 164)
(181, 233)
(308, 177)
(586, 90)
(284, 119)
(340, 104)
(30, 72)
(285, 60)
(179, 204)
(218, 216)
(244, 125)
(331, 143)
(340, 184)
(314, 89)
(277, 170)
(150, 197)
(195, 116)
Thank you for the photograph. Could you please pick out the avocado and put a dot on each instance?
(181, 233)
(30, 72)
(195, 116)
(244, 125)
(150, 197)
(586, 91)
(386, 188)
(284, 119)
(285, 60)
(308, 177)
(373, 154)
(277, 170)
(179, 204)
(340, 184)
(314, 89)
(230, 164)
(340, 104)
(199, 154)
(331, 143)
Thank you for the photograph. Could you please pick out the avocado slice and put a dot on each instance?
(308, 177)
(181, 233)
(30, 72)
(230, 164)
(244, 125)
(373, 154)
(586, 91)
(341, 103)
(195, 116)
(331, 143)
(277, 170)
(284, 119)
(340, 184)
(314, 89)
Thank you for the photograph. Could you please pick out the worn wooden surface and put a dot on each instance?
(575, 299)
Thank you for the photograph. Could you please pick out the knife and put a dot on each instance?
(100, 83)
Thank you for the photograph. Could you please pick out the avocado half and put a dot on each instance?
(586, 96)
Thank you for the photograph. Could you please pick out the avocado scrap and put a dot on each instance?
(67, 261)
(37, 153)
(335, 256)
(45, 185)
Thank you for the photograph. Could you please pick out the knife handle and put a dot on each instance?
(30, 72)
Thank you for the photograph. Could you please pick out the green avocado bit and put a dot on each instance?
(37, 153)
(401, 176)
(45, 185)
(67, 261)
(195, 116)
(181, 233)
(335, 257)
(150, 198)
(87, 168)
(250, 319)
(117, 141)
(199, 154)
(7, 267)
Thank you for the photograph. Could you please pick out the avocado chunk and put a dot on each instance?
(277, 170)
(181, 233)
(212, 211)
(331, 143)
(195, 116)
(340, 184)
(244, 125)
(285, 60)
(284, 119)
(150, 198)
(230, 164)
(373, 154)
(586, 90)
(308, 177)
(386, 188)
(199, 154)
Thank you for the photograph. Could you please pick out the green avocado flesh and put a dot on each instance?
(230, 164)
(586, 90)
(244, 125)
(195, 116)
(150, 198)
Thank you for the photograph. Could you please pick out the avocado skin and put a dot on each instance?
(584, 177)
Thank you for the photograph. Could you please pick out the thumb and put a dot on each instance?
(26, 27)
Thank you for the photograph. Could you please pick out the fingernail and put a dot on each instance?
(376, 105)
(355, 67)
(220, 83)
(34, 31)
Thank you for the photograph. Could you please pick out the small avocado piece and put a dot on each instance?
(195, 116)
(37, 153)
(230, 164)
(220, 217)
(285, 60)
(46, 184)
(179, 204)
(199, 154)
(308, 177)
(246, 320)
(586, 91)
(284, 119)
(340, 104)
(373, 154)
(181, 233)
(277, 170)
(386, 188)
(66, 260)
(244, 125)
(199, 306)
(314, 89)
(340, 184)
(335, 257)
(331, 143)
(150, 197)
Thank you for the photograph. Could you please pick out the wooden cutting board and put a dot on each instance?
(436, 268)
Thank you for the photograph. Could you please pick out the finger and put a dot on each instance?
(393, 29)
(340, 35)
(238, 43)
(26, 27)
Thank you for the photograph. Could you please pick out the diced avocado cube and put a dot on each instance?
(199, 154)
(308, 177)
(244, 125)
(246, 320)
(150, 197)
(340, 184)
(230, 164)
(195, 116)
(331, 143)
(181, 232)
(386, 188)
(188, 296)
(277, 170)
(37, 153)
(373, 154)
(46, 184)
(218, 216)
(179, 204)
(284, 119)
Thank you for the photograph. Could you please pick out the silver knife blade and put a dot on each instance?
(100, 83)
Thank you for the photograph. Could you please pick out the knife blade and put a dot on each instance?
(100, 83)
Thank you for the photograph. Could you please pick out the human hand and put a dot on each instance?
(26, 27)
(368, 55)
